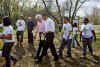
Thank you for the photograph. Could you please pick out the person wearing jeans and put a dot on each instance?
(66, 40)
(87, 35)
(63, 44)
(87, 42)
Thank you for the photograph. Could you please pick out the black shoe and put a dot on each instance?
(38, 61)
(69, 56)
(73, 46)
(56, 59)
(61, 56)
(36, 57)
(15, 61)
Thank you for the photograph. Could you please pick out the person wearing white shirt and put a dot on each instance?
(49, 36)
(50, 25)
(87, 34)
(67, 38)
(75, 32)
(9, 40)
(20, 30)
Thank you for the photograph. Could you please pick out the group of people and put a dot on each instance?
(46, 30)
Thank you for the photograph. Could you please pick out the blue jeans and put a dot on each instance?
(75, 39)
(63, 44)
(87, 42)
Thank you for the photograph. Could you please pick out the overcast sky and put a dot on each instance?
(87, 7)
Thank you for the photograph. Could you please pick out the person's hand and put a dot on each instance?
(20, 24)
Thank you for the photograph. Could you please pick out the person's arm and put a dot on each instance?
(82, 27)
(36, 30)
(24, 25)
(62, 31)
(80, 36)
(9, 36)
(17, 23)
(94, 34)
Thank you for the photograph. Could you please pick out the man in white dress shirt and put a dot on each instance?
(49, 36)
(20, 29)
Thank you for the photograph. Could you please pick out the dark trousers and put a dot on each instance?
(49, 44)
(87, 42)
(20, 36)
(6, 53)
(63, 44)
(41, 44)
(30, 37)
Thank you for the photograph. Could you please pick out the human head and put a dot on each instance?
(45, 16)
(66, 20)
(21, 17)
(38, 17)
(29, 19)
(6, 21)
(86, 20)
(75, 25)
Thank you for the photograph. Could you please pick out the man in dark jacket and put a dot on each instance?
(30, 26)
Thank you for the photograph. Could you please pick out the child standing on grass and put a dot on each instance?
(67, 39)
(75, 33)
(8, 37)
(87, 34)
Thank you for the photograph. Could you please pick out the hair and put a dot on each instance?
(86, 19)
(29, 17)
(6, 21)
(66, 18)
(75, 25)
(38, 16)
